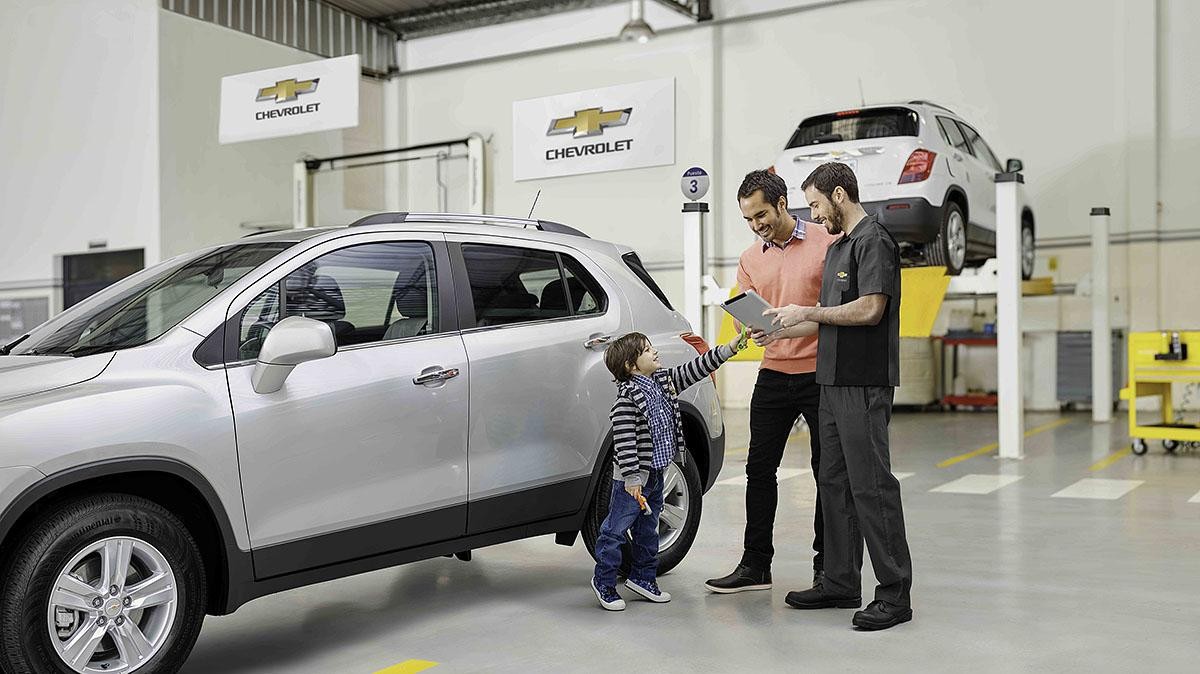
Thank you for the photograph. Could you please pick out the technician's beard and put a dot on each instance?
(836, 222)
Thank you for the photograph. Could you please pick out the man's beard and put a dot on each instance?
(835, 223)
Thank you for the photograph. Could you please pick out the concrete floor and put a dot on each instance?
(1014, 579)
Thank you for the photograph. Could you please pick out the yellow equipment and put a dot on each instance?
(1156, 361)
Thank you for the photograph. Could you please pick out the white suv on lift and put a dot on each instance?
(927, 173)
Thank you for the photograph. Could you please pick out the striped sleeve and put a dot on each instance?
(688, 374)
(624, 418)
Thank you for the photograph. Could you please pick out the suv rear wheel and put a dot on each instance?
(107, 583)
(677, 524)
(949, 250)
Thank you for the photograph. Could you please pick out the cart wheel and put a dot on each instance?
(1170, 446)
(1138, 446)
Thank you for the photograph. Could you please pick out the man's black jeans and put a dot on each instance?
(778, 400)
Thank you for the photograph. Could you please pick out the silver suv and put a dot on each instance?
(300, 406)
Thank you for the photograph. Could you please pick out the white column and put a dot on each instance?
(1008, 315)
(1101, 321)
(393, 133)
(302, 196)
(694, 264)
(477, 157)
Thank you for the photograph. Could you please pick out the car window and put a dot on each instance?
(367, 293)
(953, 135)
(586, 295)
(981, 149)
(855, 125)
(516, 285)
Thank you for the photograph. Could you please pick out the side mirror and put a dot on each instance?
(292, 341)
(1014, 166)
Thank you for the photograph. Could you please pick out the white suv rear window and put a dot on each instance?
(855, 125)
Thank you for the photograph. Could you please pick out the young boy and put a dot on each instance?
(647, 435)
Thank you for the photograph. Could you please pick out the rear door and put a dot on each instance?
(535, 321)
(984, 168)
(874, 142)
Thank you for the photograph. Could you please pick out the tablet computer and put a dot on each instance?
(748, 308)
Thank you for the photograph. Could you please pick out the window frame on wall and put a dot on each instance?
(466, 295)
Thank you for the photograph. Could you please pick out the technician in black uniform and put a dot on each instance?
(858, 370)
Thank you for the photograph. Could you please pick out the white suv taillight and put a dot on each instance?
(700, 346)
(918, 167)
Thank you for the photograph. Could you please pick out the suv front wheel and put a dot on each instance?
(677, 524)
(107, 583)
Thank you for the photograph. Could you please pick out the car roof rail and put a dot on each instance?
(467, 219)
(932, 105)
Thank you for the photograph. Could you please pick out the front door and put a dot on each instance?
(363, 452)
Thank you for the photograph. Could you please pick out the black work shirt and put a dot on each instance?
(866, 262)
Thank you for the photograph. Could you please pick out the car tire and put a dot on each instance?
(65, 548)
(949, 250)
(1028, 249)
(687, 486)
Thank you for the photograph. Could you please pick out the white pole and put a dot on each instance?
(1008, 315)
(693, 264)
(302, 201)
(1101, 321)
(476, 156)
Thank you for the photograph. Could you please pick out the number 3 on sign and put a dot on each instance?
(694, 184)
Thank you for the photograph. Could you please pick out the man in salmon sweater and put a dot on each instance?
(784, 266)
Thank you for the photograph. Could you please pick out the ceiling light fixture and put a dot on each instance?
(637, 30)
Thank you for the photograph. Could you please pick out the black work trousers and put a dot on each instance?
(859, 495)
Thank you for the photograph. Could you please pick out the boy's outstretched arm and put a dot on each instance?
(688, 374)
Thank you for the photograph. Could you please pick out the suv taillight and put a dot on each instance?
(700, 346)
(918, 167)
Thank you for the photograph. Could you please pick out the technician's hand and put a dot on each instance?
(635, 490)
(788, 316)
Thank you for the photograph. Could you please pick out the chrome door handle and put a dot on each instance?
(597, 341)
(432, 377)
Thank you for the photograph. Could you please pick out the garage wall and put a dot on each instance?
(1096, 96)
(640, 206)
(212, 192)
(78, 134)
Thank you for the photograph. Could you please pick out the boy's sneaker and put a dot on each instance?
(609, 599)
(649, 590)
(742, 579)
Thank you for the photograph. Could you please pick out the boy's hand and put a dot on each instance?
(739, 341)
(635, 490)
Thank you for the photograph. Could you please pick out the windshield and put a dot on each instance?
(145, 305)
(855, 125)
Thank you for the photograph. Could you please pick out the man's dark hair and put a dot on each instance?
(772, 186)
(622, 355)
(831, 175)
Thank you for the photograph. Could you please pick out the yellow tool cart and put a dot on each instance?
(1157, 360)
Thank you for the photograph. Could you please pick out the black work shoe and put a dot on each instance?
(816, 598)
(742, 579)
(880, 615)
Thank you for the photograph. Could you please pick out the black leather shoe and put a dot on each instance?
(816, 598)
(880, 615)
(742, 579)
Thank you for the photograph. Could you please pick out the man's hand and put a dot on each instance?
(761, 338)
(789, 315)
(635, 490)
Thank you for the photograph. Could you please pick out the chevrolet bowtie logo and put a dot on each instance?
(288, 90)
(589, 122)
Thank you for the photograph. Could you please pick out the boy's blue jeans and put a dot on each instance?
(624, 514)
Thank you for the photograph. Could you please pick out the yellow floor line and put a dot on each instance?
(408, 667)
(988, 449)
(1111, 459)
